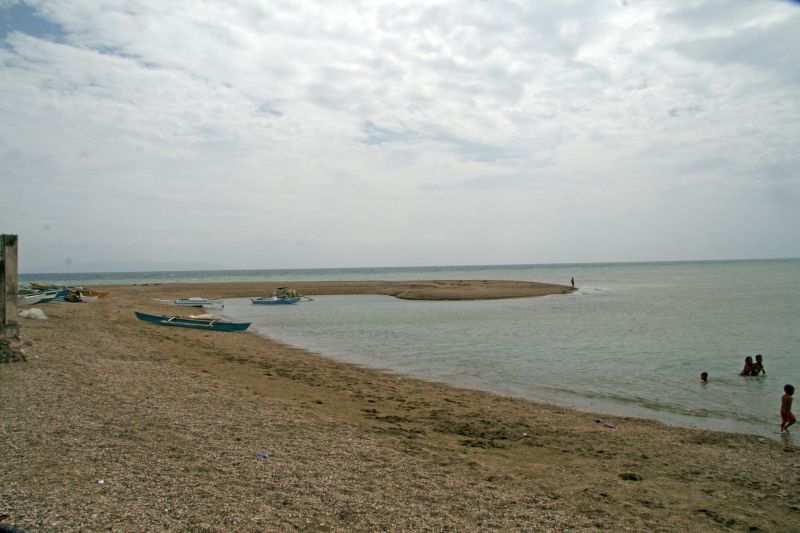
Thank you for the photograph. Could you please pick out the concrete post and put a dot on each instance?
(9, 327)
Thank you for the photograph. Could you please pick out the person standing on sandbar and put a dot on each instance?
(573, 282)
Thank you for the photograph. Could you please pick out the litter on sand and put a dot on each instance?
(35, 313)
(606, 424)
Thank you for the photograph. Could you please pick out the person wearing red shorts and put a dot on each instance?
(787, 417)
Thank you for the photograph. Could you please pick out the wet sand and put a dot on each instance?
(173, 422)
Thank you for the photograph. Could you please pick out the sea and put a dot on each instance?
(631, 341)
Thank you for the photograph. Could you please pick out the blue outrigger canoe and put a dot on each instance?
(42, 297)
(212, 324)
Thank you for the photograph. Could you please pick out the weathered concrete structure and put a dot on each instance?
(9, 327)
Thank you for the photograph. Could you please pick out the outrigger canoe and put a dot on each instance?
(283, 295)
(194, 301)
(213, 324)
(41, 298)
(272, 300)
(39, 288)
(92, 293)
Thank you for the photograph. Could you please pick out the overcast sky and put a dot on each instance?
(302, 134)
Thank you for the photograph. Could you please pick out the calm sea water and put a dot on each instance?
(632, 340)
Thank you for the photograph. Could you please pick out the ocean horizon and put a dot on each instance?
(124, 277)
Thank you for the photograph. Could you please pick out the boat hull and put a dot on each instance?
(193, 323)
(41, 298)
(191, 302)
(274, 301)
(92, 292)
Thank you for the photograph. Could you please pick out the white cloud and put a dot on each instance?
(341, 132)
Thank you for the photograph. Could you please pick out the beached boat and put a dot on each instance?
(45, 286)
(212, 324)
(71, 296)
(91, 292)
(194, 301)
(41, 298)
(273, 300)
(30, 299)
(38, 288)
(283, 295)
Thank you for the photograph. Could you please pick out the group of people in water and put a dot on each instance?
(753, 368)
(756, 368)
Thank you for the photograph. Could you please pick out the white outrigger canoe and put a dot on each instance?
(41, 298)
(194, 301)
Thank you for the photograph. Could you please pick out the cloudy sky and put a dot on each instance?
(302, 134)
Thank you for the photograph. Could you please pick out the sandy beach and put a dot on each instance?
(115, 424)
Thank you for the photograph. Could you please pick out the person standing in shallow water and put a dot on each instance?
(787, 417)
(758, 366)
(748, 367)
(573, 282)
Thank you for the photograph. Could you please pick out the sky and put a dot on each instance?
(239, 134)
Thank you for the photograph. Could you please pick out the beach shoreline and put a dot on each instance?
(173, 421)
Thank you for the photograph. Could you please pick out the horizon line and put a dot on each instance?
(471, 266)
